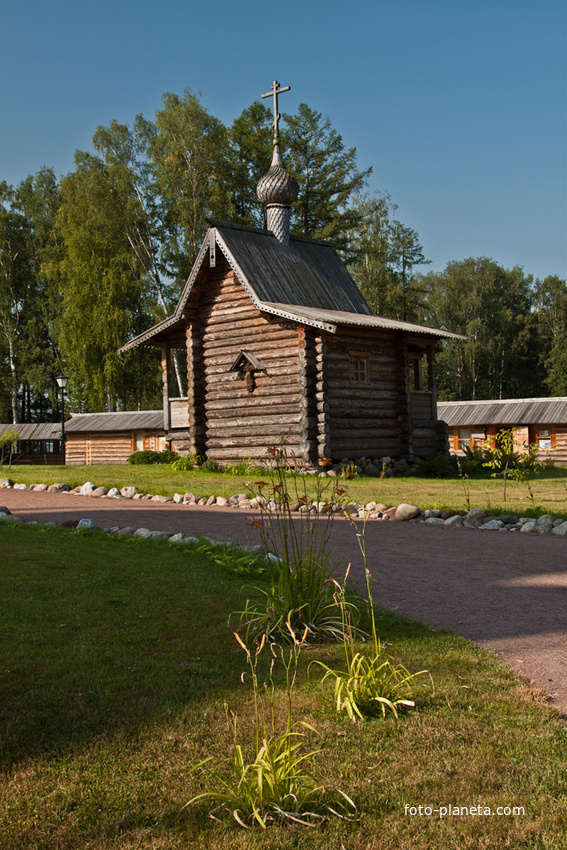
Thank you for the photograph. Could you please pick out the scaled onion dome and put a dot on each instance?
(277, 186)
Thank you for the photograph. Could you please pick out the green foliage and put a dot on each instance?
(212, 465)
(184, 463)
(438, 466)
(349, 471)
(149, 456)
(472, 462)
(506, 462)
(250, 153)
(8, 440)
(492, 307)
(275, 783)
(234, 559)
(328, 178)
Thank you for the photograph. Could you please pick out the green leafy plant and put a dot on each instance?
(234, 559)
(300, 590)
(438, 466)
(185, 463)
(371, 683)
(274, 781)
(348, 471)
(471, 462)
(9, 440)
(465, 481)
(148, 456)
(507, 463)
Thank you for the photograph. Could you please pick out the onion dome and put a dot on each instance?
(277, 186)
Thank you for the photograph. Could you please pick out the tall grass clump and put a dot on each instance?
(272, 781)
(300, 589)
(371, 683)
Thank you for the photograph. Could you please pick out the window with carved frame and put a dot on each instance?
(358, 365)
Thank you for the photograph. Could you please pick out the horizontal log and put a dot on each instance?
(268, 356)
(365, 395)
(373, 424)
(282, 420)
(260, 393)
(252, 403)
(264, 440)
(377, 448)
(248, 332)
(236, 453)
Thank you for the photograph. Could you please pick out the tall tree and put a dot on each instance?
(328, 177)
(105, 300)
(491, 306)
(371, 248)
(406, 252)
(551, 312)
(188, 165)
(15, 279)
(249, 157)
(37, 198)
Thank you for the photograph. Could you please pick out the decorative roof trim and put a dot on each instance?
(288, 313)
(151, 332)
(329, 319)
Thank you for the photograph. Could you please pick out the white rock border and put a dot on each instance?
(474, 518)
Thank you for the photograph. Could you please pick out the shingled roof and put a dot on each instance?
(305, 281)
(508, 411)
(33, 430)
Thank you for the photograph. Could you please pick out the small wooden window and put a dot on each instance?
(358, 369)
(546, 438)
(465, 439)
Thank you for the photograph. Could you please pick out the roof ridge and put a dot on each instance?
(213, 222)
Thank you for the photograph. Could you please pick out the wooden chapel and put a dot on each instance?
(279, 340)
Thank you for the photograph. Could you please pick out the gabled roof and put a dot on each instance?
(305, 281)
(508, 411)
(127, 420)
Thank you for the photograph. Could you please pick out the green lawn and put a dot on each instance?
(549, 489)
(116, 662)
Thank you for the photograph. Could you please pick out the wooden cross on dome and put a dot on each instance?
(275, 91)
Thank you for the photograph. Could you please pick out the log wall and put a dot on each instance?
(230, 420)
(365, 415)
(107, 448)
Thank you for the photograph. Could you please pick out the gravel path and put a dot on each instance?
(507, 592)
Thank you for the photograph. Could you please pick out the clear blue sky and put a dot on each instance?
(460, 106)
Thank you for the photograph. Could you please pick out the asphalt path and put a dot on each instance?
(505, 591)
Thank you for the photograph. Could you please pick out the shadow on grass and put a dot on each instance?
(100, 634)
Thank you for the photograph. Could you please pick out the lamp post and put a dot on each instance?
(62, 383)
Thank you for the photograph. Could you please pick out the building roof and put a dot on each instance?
(128, 420)
(305, 281)
(508, 411)
(33, 430)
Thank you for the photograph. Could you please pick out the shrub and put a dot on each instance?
(148, 457)
(472, 461)
(438, 466)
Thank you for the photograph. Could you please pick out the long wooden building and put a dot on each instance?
(101, 438)
(278, 339)
(539, 421)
